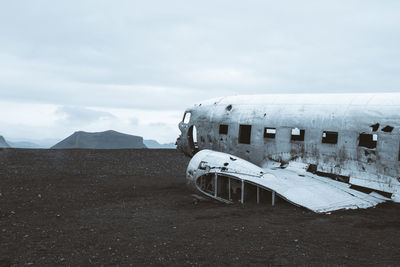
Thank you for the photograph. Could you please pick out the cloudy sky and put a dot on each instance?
(134, 66)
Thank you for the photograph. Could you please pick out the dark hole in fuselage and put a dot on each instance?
(244, 134)
(367, 140)
(269, 132)
(330, 137)
(387, 129)
(297, 134)
(223, 129)
(312, 168)
(375, 127)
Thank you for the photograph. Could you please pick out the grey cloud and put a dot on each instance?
(167, 55)
(158, 124)
(134, 121)
(98, 53)
(81, 116)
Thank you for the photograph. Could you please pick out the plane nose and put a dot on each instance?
(194, 169)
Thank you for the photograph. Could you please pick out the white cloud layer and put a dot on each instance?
(136, 61)
(35, 121)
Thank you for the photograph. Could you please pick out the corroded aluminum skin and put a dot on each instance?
(347, 114)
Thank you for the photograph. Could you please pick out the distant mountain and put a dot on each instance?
(32, 143)
(3, 142)
(44, 143)
(101, 140)
(23, 144)
(155, 144)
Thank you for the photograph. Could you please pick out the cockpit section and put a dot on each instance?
(187, 141)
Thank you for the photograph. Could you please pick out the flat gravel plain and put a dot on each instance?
(131, 207)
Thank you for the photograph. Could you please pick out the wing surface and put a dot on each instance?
(293, 183)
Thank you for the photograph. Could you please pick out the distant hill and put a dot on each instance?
(101, 140)
(155, 144)
(32, 143)
(3, 142)
(23, 144)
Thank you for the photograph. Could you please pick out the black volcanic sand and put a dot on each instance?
(132, 207)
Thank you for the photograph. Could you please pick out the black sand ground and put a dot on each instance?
(131, 207)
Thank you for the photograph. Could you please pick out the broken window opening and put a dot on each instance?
(330, 137)
(223, 129)
(368, 140)
(387, 129)
(206, 183)
(375, 127)
(186, 117)
(269, 132)
(244, 134)
(297, 134)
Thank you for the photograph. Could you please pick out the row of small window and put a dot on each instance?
(328, 137)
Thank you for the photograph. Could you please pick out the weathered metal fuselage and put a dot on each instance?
(350, 135)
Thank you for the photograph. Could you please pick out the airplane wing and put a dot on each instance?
(294, 184)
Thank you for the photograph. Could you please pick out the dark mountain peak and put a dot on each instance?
(101, 140)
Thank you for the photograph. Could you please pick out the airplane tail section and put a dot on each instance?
(228, 178)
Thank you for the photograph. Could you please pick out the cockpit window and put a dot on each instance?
(186, 117)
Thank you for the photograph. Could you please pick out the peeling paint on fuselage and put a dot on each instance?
(347, 114)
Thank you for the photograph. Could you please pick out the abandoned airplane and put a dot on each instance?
(313, 150)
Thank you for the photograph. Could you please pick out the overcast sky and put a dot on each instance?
(134, 66)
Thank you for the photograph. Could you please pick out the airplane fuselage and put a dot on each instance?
(353, 136)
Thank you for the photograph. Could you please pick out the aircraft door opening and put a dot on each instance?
(192, 137)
